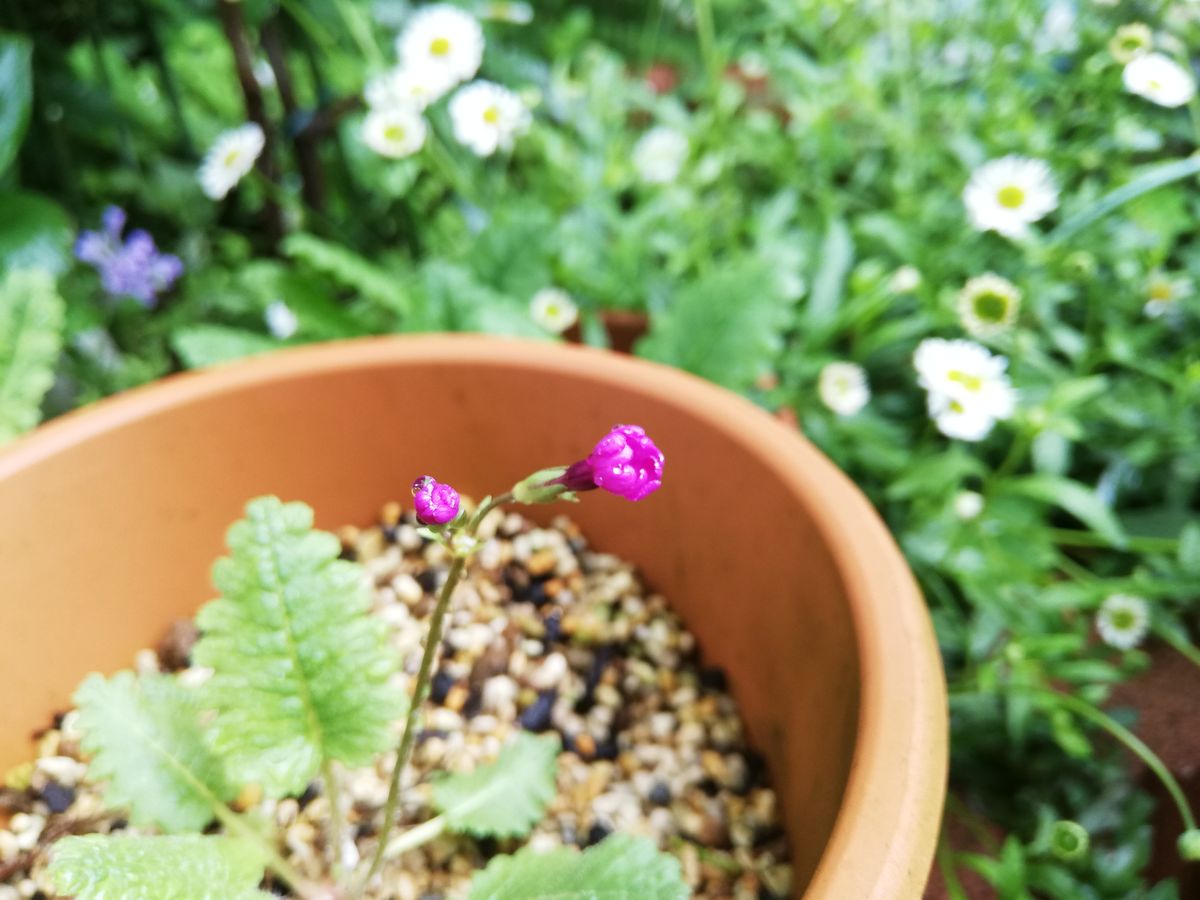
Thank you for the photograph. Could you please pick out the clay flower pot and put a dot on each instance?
(112, 517)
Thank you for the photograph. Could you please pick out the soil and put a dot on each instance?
(544, 635)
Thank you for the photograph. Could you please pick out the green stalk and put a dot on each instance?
(337, 828)
(1067, 537)
(424, 676)
(705, 37)
(1185, 648)
(416, 836)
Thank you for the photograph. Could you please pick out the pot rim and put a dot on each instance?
(902, 704)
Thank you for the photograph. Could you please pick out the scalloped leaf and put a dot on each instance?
(180, 867)
(618, 868)
(727, 326)
(146, 742)
(348, 268)
(301, 670)
(505, 798)
(31, 322)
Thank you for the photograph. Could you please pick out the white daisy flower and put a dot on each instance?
(1163, 293)
(659, 154)
(1123, 621)
(1131, 41)
(394, 131)
(487, 117)
(904, 280)
(442, 37)
(230, 158)
(411, 86)
(553, 309)
(843, 387)
(281, 321)
(987, 305)
(1006, 195)
(1159, 79)
(968, 505)
(968, 387)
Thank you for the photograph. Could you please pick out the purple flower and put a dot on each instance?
(134, 268)
(436, 503)
(625, 462)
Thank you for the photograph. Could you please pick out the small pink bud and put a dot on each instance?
(625, 462)
(436, 503)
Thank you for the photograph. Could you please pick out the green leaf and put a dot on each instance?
(837, 253)
(16, 94)
(301, 670)
(209, 345)
(1189, 548)
(146, 742)
(348, 268)
(1150, 178)
(35, 233)
(1077, 499)
(506, 798)
(727, 327)
(179, 867)
(31, 322)
(618, 868)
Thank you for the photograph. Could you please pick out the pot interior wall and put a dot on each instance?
(106, 539)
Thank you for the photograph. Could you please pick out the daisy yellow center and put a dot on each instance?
(956, 407)
(991, 307)
(1154, 84)
(491, 115)
(1161, 290)
(552, 311)
(231, 158)
(439, 46)
(1123, 620)
(972, 383)
(1010, 196)
(394, 133)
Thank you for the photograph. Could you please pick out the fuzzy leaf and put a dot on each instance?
(35, 233)
(618, 868)
(16, 94)
(31, 322)
(505, 798)
(727, 327)
(348, 268)
(180, 867)
(301, 669)
(210, 345)
(145, 740)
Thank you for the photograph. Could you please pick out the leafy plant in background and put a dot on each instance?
(797, 201)
(301, 684)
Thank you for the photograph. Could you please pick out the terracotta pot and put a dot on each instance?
(112, 517)
(623, 327)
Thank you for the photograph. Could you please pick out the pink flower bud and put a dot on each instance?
(436, 503)
(625, 462)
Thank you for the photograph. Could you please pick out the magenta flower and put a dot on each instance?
(625, 462)
(436, 503)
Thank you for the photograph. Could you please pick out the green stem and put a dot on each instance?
(1132, 742)
(1067, 537)
(235, 824)
(1182, 645)
(408, 737)
(950, 879)
(337, 828)
(416, 836)
(360, 30)
(705, 37)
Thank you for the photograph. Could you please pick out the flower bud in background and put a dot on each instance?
(1189, 845)
(436, 503)
(1068, 840)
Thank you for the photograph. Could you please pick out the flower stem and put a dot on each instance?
(336, 823)
(408, 737)
(705, 37)
(1135, 745)
(415, 837)
(1067, 537)
(1184, 647)
(235, 824)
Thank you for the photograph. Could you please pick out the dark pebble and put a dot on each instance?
(310, 794)
(440, 686)
(578, 545)
(58, 797)
(429, 579)
(474, 703)
(432, 896)
(660, 794)
(426, 733)
(119, 825)
(606, 749)
(517, 580)
(712, 678)
(709, 786)
(537, 594)
(554, 632)
(389, 533)
(536, 717)
(598, 832)
(756, 769)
